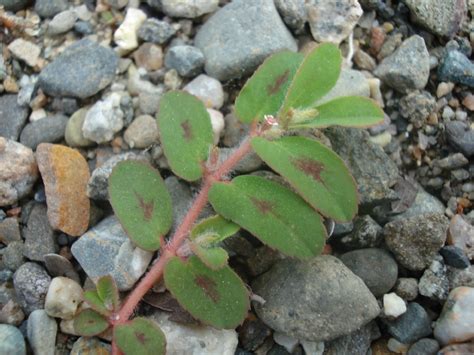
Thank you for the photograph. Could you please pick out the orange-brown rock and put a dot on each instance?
(65, 175)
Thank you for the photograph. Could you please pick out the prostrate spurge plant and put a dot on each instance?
(279, 98)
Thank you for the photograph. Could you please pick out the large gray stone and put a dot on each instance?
(46, 130)
(414, 324)
(39, 236)
(31, 284)
(239, 36)
(317, 300)
(12, 117)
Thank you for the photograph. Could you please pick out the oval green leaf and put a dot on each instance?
(186, 133)
(215, 258)
(315, 171)
(218, 298)
(141, 202)
(264, 92)
(271, 212)
(89, 323)
(213, 230)
(349, 111)
(140, 336)
(108, 292)
(93, 299)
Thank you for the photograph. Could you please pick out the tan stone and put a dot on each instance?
(149, 56)
(65, 175)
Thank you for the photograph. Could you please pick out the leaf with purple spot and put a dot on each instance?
(140, 336)
(89, 323)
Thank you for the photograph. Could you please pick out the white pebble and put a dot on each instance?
(63, 298)
(126, 35)
(217, 122)
(208, 90)
(25, 51)
(393, 305)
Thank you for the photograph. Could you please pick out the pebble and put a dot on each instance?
(397, 347)
(46, 130)
(217, 122)
(106, 250)
(142, 132)
(13, 255)
(297, 310)
(452, 161)
(357, 342)
(393, 305)
(208, 90)
(11, 313)
(18, 173)
(232, 52)
(62, 22)
(39, 237)
(41, 332)
(234, 131)
(407, 68)
(156, 31)
(461, 136)
(461, 234)
(365, 233)
(412, 325)
(456, 322)
(84, 28)
(63, 298)
(103, 120)
(58, 265)
(250, 163)
(14, 5)
(11, 340)
(416, 240)
(64, 76)
(434, 283)
(188, 8)
(444, 89)
(9, 230)
(375, 267)
(253, 333)
(441, 17)
(49, 8)
(425, 346)
(293, 13)
(73, 134)
(364, 61)
(417, 106)
(149, 56)
(458, 349)
(31, 284)
(12, 117)
(98, 182)
(148, 103)
(188, 339)
(468, 102)
(188, 61)
(88, 345)
(457, 68)
(455, 257)
(424, 203)
(332, 21)
(126, 35)
(25, 51)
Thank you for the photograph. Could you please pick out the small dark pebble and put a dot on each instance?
(424, 346)
(457, 68)
(455, 257)
(414, 324)
(84, 28)
(253, 333)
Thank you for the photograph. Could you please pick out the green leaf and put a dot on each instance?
(97, 304)
(89, 323)
(186, 133)
(264, 92)
(141, 202)
(271, 212)
(108, 292)
(140, 336)
(315, 171)
(214, 258)
(349, 111)
(316, 76)
(218, 298)
(213, 230)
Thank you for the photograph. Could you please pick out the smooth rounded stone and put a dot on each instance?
(454, 256)
(41, 332)
(332, 21)
(39, 237)
(208, 90)
(148, 103)
(31, 284)
(456, 322)
(88, 345)
(184, 339)
(393, 305)
(375, 267)
(126, 35)
(458, 349)
(155, 31)
(250, 163)
(441, 17)
(425, 346)
(235, 130)
(293, 13)
(63, 298)
(357, 342)
(18, 173)
(461, 136)
(12, 117)
(98, 182)
(11, 340)
(424, 203)
(239, 36)
(434, 283)
(65, 176)
(461, 234)
(61, 23)
(417, 106)
(84, 28)
(188, 61)
(414, 324)
(456, 67)
(452, 161)
(46, 130)
(81, 71)
(407, 288)
(408, 68)
(10, 230)
(217, 122)
(103, 120)
(13, 255)
(25, 51)
(107, 250)
(188, 8)
(14, 5)
(365, 233)
(58, 265)
(73, 134)
(415, 241)
(397, 347)
(302, 299)
(149, 56)
(142, 132)
(49, 8)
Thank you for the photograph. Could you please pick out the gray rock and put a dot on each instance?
(9, 230)
(251, 162)
(357, 342)
(11, 340)
(366, 233)
(407, 288)
(82, 70)
(317, 300)
(142, 132)
(39, 236)
(375, 173)
(181, 197)
(424, 203)
(239, 36)
(49, 129)
(350, 83)
(13, 255)
(425, 346)
(460, 277)
(188, 61)
(417, 106)
(106, 249)
(454, 256)
(461, 137)
(208, 90)
(416, 241)
(62, 22)
(457, 68)
(14, 5)
(375, 267)
(58, 265)
(73, 134)
(12, 117)
(49, 8)
(155, 31)
(408, 68)
(41, 332)
(434, 283)
(293, 13)
(31, 284)
(188, 8)
(117, 4)
(84, 28)
(442, 17)
(412, 325)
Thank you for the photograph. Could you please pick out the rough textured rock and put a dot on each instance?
(49, 8)
(188, 61)
(457, 68)
(238, 37)
(155, 31)
(31, 284)
(293, 13)
(126, 35)
(357, 342)
(49, 129)
(303, 298)
(142, 132)
(414, 324)
(434, 283)
(461, 136)
(12, 117)
(187, 8)
(65, 175)
(366, 233)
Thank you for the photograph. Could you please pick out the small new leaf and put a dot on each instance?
(89, 323)
(108, 292)
(97, 304)
(213, 230)
(215, 257)
(140, 336)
